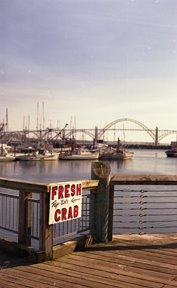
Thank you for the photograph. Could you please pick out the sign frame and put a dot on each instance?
(65, 202)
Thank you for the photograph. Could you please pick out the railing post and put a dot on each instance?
(100, 207)
(24, 218)
(111, 209)
(46, 230)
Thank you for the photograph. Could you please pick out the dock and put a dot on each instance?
(131, 261)
(126, 233)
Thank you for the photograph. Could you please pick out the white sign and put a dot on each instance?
(65, 202)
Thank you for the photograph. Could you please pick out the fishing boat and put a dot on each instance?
(4, 155)
(39, 155)
(172, 152)
(111, 153)
(80, 153)
(5, 158)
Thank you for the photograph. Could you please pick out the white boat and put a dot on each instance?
(7, 158)
(79, 154)
(110, 153)
(113, 154)
(39, 155)
(4, 155)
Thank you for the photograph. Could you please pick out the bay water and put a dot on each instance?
(143, 162)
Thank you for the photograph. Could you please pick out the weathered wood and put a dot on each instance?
(86, 184)
(132, 261)
(90, 184)
(144, 179)
(46, 230)
(23, 185)
(100, 202)
(111, 209)
(26, 188)
(24, 218)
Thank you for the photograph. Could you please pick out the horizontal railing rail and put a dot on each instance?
(133, 179)
(143, 204)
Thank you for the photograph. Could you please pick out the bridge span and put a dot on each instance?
(56, 134)
(155, 134)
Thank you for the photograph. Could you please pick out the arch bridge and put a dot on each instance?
(155, 134)
(95, 134)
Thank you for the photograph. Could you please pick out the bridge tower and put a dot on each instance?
(156, 136)
(96, 136)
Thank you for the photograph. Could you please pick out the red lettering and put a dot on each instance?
(57, 215)
(78, 189)
(60, 192)
(70, 214)
(76, 211)
(63, 211)
(66, 214)
(67, 191)
(54, 192)
(73, 186)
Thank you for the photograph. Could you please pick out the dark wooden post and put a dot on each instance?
(46, 230)
(111, 208)
(25, 218)
(100, 202)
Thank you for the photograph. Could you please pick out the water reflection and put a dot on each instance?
(143, 162)
(118, 165)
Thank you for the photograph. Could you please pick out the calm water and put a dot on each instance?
(143, 162)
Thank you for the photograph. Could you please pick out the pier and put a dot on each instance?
(125, 237)
(128, 261)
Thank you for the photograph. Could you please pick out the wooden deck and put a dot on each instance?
(126, 262)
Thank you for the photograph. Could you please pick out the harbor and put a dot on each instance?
(143, 161)
(65, 143)
(88, 144)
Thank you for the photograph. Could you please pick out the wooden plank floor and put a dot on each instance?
(126, 262)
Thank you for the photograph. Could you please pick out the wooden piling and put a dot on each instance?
(100, 202)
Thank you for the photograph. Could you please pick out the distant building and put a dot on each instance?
(174, 144)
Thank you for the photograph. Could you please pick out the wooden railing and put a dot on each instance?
(26, 217)
(31, 202)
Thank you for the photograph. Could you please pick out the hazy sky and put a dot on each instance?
(94, 61)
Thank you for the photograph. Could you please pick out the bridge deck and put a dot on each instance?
(127, 261)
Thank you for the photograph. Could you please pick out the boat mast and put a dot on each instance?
(7, 122)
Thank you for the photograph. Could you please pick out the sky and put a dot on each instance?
(88, 62)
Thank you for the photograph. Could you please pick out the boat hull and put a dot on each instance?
(50, 157)
(113, 154)
(172, 154)
(7, 158)
(79, 157)
(116, 156)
